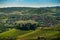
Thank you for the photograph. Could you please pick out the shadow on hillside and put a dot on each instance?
(56, 39)
(7, 38)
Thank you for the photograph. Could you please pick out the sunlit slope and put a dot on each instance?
(10, 33)
(47, 33)
(13, 33)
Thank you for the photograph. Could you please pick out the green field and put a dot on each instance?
(48, 33)
(13, 33)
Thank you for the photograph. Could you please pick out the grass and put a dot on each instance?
(32, 34)
(10, 33)
(26, 34)
(13, 33)
(40, 32)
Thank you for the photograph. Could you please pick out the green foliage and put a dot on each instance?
(30, 18)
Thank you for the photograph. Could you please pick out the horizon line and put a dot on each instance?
(29, 6)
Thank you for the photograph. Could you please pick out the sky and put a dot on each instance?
(29, 3)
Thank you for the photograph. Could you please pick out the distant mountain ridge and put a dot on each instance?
(21, 8)
(45, 15)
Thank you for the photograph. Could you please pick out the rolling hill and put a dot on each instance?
(44, 22)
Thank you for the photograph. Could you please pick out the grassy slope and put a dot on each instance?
(10, 33)
(13, 33)
(39, 32)
(47, 33)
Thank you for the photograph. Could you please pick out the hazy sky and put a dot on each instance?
(29, 3)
